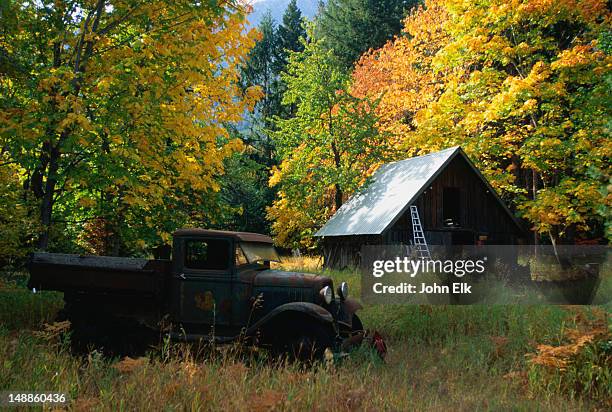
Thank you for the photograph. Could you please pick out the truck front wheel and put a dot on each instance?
(356, 324)
(308, 343)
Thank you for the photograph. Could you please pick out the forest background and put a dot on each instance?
(121, 121)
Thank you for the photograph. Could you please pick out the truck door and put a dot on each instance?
(204, 282)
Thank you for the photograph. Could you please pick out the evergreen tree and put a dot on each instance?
(260, 70)
(288, 35)
(351, 27)
(245, 188)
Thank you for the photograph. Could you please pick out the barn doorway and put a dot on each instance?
(462, 237)
(451, 207)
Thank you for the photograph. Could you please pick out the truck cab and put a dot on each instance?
(213, 275)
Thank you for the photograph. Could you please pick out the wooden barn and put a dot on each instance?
(455, 203)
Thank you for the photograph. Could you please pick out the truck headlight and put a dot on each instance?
(327, 294)
(343, 290)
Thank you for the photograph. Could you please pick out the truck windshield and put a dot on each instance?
(259, 252)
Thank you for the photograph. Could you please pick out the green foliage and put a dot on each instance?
(18, 223)
(20, 308)
(352, 27)
(260, 69)
(245, 189)
(289, 33)
(244, 195)
(265, 63)
(325, 150)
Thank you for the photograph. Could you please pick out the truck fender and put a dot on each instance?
(312, 310)
(351, 306)
(347, 309)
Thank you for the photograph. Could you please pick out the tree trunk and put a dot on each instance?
(46, 206)
(534, 189)
(337, 162)
(554, 245)
(338, 196)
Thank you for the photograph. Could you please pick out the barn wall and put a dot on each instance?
(480, 214)
(341, 252)
(480, 211)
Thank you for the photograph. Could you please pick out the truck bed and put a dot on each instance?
(98, 274)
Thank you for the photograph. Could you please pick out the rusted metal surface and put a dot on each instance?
(86, 261)
(292, 279)
(310, 309)
(352, 305)
(64, 272)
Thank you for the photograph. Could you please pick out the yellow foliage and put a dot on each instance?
(17, 227)
(499, 79)
(143, 118)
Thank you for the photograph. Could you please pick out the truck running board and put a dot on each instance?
(197, 337)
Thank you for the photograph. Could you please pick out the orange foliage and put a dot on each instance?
(520, 85)
(402, 73)
(586, 332)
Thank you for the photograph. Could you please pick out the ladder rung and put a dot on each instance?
(420, 242)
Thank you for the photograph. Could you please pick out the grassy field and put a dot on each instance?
(440, 358)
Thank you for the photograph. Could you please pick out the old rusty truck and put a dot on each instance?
(218, 287)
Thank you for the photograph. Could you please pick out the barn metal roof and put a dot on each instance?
(391, 189)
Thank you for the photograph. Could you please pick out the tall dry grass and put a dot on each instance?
(299, 263)
(440, 358)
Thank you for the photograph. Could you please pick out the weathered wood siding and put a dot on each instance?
(480, 212)
(341, 252)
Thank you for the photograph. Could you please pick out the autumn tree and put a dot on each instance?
(402, 74)
(18, 227)
(523, 86)
(116, 110)
(325, 150)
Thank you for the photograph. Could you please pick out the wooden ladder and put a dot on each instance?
(418, 235)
